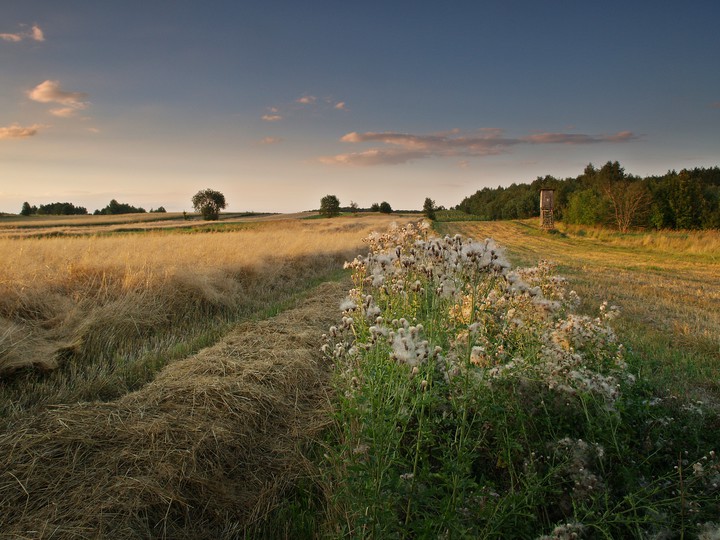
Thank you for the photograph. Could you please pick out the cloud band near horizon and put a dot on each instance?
(404, 147)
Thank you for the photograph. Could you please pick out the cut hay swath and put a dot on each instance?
(201, 452)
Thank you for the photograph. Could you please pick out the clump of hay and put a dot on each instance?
(202, 451)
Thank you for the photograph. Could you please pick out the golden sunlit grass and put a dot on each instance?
(113, 308)
(666, 283)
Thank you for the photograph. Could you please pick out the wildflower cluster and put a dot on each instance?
(462, 379)
(484, 317)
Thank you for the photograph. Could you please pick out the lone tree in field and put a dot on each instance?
(429, 209)
(209, 203)
(330, 206)
(26, 209)
(385, 207)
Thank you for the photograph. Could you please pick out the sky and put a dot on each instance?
(277, 103)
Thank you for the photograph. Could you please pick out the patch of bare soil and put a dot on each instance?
(201, 452)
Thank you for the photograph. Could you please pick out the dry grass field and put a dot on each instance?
(113, 307)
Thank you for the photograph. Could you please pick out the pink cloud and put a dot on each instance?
(272, 117)
(11, 37)
(35, 34)
(404, 147)
(15, 131)
(307, 100)
(340, 106)
(50, 92)
(270, 140)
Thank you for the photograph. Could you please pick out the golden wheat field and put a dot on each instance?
(53, 286)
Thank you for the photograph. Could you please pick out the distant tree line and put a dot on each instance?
(69, 209)
(689, 199)
(56, 209)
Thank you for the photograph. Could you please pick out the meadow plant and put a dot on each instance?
(475, 402)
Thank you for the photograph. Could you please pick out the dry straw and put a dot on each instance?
(201, 452)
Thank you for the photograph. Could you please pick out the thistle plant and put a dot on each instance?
(475, 402)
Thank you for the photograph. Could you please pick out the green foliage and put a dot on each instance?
(26, 209)
(686, 200)
(385, 207)
(330, 206)
(374, 207)
(586, 207)
(429, 209)
(209, 203)
(61, 209)
(115, 208)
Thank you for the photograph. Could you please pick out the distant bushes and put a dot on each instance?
(114, 208)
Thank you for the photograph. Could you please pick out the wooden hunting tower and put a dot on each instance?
(547, 209)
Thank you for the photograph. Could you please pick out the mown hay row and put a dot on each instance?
(198, 453)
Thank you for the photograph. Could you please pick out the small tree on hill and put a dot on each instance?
(429, 209)
(209, 203)
(385, 207)
(330, 206)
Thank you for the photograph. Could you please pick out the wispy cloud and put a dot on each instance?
(63, 112)
(272, 117)
(300, 106)
(715, 105)
(16, 131)
(35, 33)
(270, 140)
(404, 147)
(50, 92)
(577, 138)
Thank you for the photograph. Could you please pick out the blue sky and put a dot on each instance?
(278, 103)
